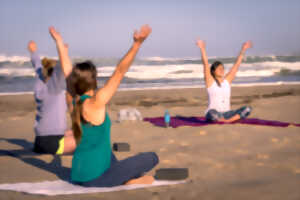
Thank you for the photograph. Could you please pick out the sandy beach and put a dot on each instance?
(225, 161)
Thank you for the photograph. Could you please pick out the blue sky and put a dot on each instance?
(97, 28)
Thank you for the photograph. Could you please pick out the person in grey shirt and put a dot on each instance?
(52, 134)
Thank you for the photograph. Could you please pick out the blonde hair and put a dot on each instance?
(48, 65)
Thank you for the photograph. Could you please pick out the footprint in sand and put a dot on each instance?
(213, 162)
(207, 160)
(181, 154)
(240, 151)
(275, 140)
(297, 171)
(235, 133)
(166, 161)
(274, 166)
(136, 132)
(219, 165)
(263, 156)
(202, 133)
(220, 138)
(171, 141)
(184, 144)
(260, 164)
(15, 118)
(285, 140)
(234, 136)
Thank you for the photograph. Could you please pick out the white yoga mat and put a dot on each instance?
(60, 187)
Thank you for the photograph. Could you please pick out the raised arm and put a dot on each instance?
(206, 71)
(103, 95)
(62, 50)
(231, 74)
(35, 58)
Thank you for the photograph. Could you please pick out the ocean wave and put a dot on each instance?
(20, 59)
(174, 71)
(287, 72)
(16, 72)
(114, 60)
(151, 68)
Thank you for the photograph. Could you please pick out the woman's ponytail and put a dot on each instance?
(76, 120)
(81, 80)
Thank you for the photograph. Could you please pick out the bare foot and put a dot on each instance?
(232, 119)
(141, 180)
(223, 120)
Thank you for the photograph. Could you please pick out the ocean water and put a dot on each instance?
(17, 74)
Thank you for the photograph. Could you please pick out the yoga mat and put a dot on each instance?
(59, 187)
(178, 121)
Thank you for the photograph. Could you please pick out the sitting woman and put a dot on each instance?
(94, 164)
(50, 126)
(219, 88)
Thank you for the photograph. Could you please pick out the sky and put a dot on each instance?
(96, 28)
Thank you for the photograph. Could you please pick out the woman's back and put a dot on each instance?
(51, 101)
(93, 154)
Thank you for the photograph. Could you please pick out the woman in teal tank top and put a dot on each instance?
(93, 162)
(95, 141)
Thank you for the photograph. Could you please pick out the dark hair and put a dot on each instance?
(213, 68)
(81, 80)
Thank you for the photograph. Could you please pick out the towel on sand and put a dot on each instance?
(178, 121)
(60, 187)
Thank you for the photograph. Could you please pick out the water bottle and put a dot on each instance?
(167, 119)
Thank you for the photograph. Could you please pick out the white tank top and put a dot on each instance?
(219, 97)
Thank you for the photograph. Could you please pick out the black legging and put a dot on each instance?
(122, 171)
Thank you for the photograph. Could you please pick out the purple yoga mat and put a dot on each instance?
(200, 121)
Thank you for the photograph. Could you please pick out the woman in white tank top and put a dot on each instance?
(218, 87)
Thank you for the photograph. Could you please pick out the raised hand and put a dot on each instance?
(54, 34)
(141, 35)
(231, 74)
(200, 44)
(62, 50)
(32, 47)
(247, 45)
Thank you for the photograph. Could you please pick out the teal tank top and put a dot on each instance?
(93, 154)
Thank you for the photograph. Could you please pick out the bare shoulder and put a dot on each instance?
(93, 114)
(210, 83)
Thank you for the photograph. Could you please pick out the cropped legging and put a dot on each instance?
(213, 115)
(124, 170)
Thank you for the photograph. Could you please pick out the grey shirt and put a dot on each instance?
(50, 99)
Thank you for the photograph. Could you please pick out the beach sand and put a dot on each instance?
(225, 161)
